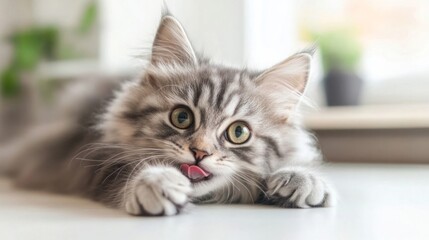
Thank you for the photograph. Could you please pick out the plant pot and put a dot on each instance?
(342, 88)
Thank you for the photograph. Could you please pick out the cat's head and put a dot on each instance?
(234, 124)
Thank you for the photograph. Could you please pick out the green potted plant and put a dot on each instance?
(341, 54)
(20, 88)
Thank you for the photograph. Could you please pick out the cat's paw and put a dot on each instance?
(158, 191)
(299, 188)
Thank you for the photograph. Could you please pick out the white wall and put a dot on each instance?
(271, 32)
(254, 32)
(62, 13)
(128, 28)
(214, 27)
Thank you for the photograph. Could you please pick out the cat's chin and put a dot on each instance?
(202, 179)
(214, 183)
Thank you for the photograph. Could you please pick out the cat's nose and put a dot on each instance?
(199, 154)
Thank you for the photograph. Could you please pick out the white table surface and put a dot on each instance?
(376, 202)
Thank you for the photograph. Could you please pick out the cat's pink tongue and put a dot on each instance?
(193, 172)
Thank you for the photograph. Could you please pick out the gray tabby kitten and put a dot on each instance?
(186, 131)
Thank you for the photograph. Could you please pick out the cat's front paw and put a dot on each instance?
(158, 191)
(298, 188)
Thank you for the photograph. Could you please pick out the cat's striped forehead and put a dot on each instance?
(216, 92)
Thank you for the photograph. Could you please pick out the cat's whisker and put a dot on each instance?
(126, 151)
(245, 187)
(232, 189)
(119, 169)
(92, 147)
(129, 177)
(138, 154)
(227, 188)
(248, 178)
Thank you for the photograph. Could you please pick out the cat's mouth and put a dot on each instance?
(195, 173)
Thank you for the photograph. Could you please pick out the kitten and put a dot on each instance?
(186, 131)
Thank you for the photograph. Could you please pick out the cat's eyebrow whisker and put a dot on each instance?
(165, 86)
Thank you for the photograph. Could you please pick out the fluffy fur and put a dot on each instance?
(129, 156)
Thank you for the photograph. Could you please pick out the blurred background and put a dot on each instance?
(370, 81)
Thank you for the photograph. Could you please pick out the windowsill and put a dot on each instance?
(382, 134)
(369, 117)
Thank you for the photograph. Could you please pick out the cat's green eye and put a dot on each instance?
(238, 133)
(182, 117)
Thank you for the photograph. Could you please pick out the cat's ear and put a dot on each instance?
(171, 45)
(285, 82)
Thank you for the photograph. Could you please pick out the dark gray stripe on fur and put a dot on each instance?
(209, 83)
(244, 153)
(272, 145)
(165, 131)
(197, 94)
(136, 115)
(221, 94)
(237, 108)
(203, 114)
(230, 96)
